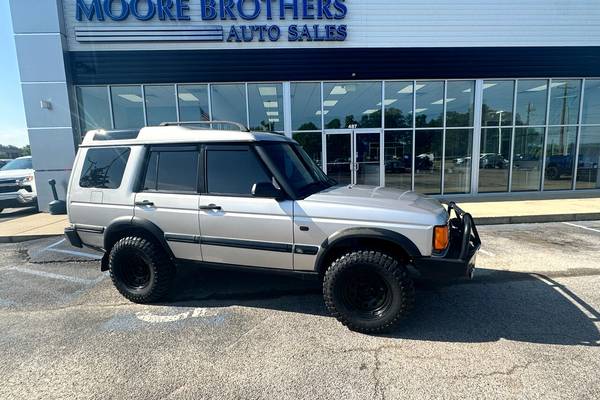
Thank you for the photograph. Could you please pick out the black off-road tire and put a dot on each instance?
(140, 270)
(365, 268)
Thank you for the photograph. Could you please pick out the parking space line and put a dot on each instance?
(582, 227)
(57, 276)
(77, 253)
(54, 244)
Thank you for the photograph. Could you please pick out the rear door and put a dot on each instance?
(168, 197)
(237, 228)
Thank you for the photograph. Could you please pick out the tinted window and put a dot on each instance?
(233, 171)
(103, 168)
(172, 171)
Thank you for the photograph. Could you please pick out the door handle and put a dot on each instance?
(210, 207)
(144, 203)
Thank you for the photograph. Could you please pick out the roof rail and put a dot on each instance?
(210, 123)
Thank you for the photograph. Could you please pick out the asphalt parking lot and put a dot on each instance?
(526, 327)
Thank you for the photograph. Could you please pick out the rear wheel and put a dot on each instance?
(368, 291)
(140, 270)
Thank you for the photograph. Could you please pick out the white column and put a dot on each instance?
(476, 152)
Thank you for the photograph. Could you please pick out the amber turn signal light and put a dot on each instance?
(440, 237)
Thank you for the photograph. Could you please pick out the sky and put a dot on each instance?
(12, 117)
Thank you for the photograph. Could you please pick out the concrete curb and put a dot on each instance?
(24, 238)
(524, 219)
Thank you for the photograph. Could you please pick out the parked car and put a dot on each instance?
(4, 161)
(493, 160)
(164, 196)
(17, 184)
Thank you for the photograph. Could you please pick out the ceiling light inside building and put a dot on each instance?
(370, 111)
(267, 91)
(339, 90)
(409, 88)
(270, 104)
(273, 119)
(272, 113)
(187, 97)
(319, 112)
(330, 103)
(488, 85)
(540, 88)
(387, 102)
(420, 110)
(134, 98)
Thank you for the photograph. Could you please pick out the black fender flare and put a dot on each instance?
(366, 233)
(124, 223)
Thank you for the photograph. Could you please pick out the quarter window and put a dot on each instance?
(233, 171)
(103, 168)
(172, 170)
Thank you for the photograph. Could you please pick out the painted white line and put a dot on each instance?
(77, 253)
(157, 319)
(57, 276)
(582, 227)
(487, 253)
(54, 244)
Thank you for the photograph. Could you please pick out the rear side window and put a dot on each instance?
(103, 168)
(233, 171)
(172, 170)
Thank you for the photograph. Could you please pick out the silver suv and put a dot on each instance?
(178, 193)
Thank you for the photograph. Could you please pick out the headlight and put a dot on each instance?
(26, 181)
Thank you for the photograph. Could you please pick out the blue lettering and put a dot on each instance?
(89, 12)
(269, 10)
(133, 7)
(325, 11)
(124, 10)
(181, 6)
(233, 35)
(341, 8)
(274, 33)
(305, 34)
(284, 5)
(246, 38)
(242, 12)
(342, 32)
(163, 8)
(227, 9)
(209, 9)
(293, 33)
(307, 7)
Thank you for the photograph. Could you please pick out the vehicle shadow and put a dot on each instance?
(17, 212)
(497, 305)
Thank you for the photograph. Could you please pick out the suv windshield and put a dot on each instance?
(300, 172)
(19, 163)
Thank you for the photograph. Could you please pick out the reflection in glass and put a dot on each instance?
(564, 102)
(494, 159)
(531, 102)
(306, 106)
(160, 104)
(589, 158)
(560, 157)
(94, 109)
(229, 103)
(339, 157)
(398, 159)
(355, 103)
(460, 96)
(193, 103)
(428, 151)
(367, 149)
(265, 104)
(311, 142)
(128, 107)
(398, 104)
(429, 111)
(457, 162)
(527, 159)
(498, 98)
(591, 102)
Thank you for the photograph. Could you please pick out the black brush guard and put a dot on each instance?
(459, 259)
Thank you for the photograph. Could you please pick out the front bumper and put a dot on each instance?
(459, 260)
(20, 198)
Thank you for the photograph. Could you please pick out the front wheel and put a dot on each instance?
(368, 291)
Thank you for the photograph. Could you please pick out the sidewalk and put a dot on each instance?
(486, 213)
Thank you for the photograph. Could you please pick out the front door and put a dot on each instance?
(354, 156)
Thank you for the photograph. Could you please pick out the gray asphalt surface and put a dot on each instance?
(527, 327)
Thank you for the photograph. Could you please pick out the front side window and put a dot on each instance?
(103, 168)
(172, 170)
(233, 171)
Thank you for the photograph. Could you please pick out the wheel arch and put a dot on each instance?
(353, 238)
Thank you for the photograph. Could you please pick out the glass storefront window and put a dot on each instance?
(494, 159)
(428, 161)
(560, 157)
(429, 111)
(128, 106)
(306, 106)
(460, 96)
(498, 99)
(160, 104)
(564, 102)
(265, 106)
(527, 159)
(311, 142)
(457, 161)
(352, 103)
(589, 158)
(193, 102)
(94, 108)
(398, 159)
(591, 102)
(398, 104)
(229, 103)
(531, 102)
(339, 157)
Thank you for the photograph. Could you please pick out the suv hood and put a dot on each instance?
(15, 173)
(380, 204)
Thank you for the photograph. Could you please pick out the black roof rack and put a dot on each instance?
(210, 123)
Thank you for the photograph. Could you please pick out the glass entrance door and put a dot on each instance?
(354, 157)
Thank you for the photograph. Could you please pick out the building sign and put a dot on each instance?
(319, 20)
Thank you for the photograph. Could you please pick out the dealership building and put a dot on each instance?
(397, 93)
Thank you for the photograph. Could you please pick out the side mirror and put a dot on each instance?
(265, 189)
